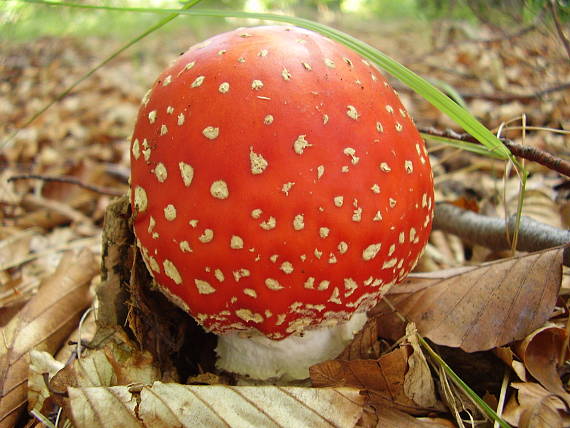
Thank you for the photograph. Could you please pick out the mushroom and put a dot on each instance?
(279, 189)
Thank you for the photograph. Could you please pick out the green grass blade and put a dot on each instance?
(483, 406)
(449, 90)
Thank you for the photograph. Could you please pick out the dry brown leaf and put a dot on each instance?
(507, 356)
(418, 382)
(393, 418)
(119, 362)
(15, 287)
(41, 363)
(540, 353)
(365, 344)
(477, 308)
(83, 334)
(45, 321)
(533, 406)
(168, 405)
(103, 407)
(15, 246)
(384, 379)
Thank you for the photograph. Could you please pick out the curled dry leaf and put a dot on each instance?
(393, 418)
(534, 406)
(477, 308)
(167, 405)
(387, 380)
(540, 352)
(418, 382)
(364, 345)
(119, 362)
(507, 356)
(41, 363)
(16, 287)
(45, 321)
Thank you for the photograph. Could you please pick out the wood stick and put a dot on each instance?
(493, 232)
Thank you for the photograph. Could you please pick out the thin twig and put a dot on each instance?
(530, 153)
(491, 232)
(559, 30)
(68, 180)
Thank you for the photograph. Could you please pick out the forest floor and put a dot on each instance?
(59, 173)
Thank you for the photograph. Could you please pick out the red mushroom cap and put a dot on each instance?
(277, 182)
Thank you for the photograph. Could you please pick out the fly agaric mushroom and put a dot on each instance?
(278, 188)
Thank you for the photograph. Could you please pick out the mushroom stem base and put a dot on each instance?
(285, 360)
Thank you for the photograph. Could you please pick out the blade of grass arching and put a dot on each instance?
(116, 53)
(441, 101)
(483, 406)
(450, 91)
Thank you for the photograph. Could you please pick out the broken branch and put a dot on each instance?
(493, 232)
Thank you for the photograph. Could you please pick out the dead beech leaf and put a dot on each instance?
(540, 352)
(393, 418)
(507, 356)
(41, 363)
(103, 407)
(265, 406)
(82, 334)
(45, 321)
(119, 362)
(383, 378)
(533, 406)
(477, 308)
(418, 382)
(169, 404)
(364, 345)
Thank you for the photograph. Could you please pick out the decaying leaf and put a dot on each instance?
(168, 405)
(77, 340)
(103, 407)
(387, 380)
(365, 344)
(507, 356)
(541, 352)
(41, 363)
(534, 406)
(119, 362)
(477, 308)
(388, 417)
(418, 382)
(45, 321)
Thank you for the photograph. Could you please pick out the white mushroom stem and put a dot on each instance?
(285, 360)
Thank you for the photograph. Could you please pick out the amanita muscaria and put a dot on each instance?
(278, 187)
